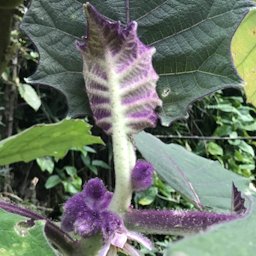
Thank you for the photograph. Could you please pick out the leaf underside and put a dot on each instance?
(120, 79)
(192, 39)
(202, 181)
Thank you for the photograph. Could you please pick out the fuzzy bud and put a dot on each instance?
(142, 175)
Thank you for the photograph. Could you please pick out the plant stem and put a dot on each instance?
(124, 161)
(124, 154)
(166, 222)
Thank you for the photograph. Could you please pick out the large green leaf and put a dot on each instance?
(192, 39)
(200, 180)
(244, 54)
(18, 240)
(235, 238)
(46, 140)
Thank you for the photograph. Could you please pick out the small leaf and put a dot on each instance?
(214, 149)
(46, 164)
(52, 181)
(28, 93)
(71, 171)
(100, 163)
(46, 140)
(223, 130)
(19, 239)
(200, 180)
(238, 202)
(147, 197)
(246, 148)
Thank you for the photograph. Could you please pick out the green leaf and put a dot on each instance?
(101, 164)
(71, 171)
(19, 240)
(46, 140)
(200, 180)
(147, 197)
(52, 181)
(28, 93)
(214, 149)
(236, 238)
(244, 54)
(46, 164)
(246, 148)
(223, 130)
(192, 44)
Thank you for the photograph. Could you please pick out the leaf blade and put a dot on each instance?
(46, 140)
(211, 183)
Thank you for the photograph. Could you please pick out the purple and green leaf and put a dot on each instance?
(119, 76)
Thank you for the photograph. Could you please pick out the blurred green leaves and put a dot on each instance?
(234, 119)
(68, 177)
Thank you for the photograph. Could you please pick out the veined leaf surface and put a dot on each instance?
(192, 40)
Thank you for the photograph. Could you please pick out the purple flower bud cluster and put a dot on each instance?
(86, 213)
(142, 175)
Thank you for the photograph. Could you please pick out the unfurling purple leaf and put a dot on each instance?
(142, 175)
(238, 202)
(119, 76)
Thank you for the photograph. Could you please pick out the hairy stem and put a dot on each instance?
(176, 222)
(124, 154)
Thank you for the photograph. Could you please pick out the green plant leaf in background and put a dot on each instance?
(46, 140)
(28, 93)
(200, 180)
(235, 238)
(214, 149)
(46, 164)
(193, 46)
(18, 240)
(244, 54)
